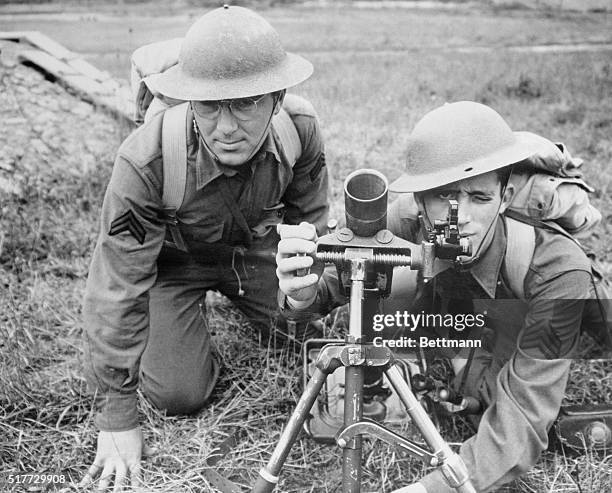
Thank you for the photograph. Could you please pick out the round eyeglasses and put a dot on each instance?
(243, 108)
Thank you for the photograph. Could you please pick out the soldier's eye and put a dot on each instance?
(206, 108)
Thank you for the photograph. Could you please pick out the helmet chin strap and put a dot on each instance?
(255, 149)
(467, 264)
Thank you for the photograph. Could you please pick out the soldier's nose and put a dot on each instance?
(464, 215)
(226, 121)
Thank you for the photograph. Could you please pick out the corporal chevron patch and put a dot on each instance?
(128, 222)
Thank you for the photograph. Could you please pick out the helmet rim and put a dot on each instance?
(459, 141)
(230, 52)
(175, 84)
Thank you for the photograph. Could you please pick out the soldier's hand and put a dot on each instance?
(297, 270)
(117, 460)
(413, 488)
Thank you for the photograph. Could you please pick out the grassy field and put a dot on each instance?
(377, 72)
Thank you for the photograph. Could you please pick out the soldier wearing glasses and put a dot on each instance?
(144, 302)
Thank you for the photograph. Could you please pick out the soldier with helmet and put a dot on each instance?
(463, 152)
(253, 157)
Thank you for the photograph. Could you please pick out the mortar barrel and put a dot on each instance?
(365, 201)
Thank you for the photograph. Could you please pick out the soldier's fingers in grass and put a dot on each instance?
(120, 477)
(136, 476)
(91, 474)
(85, 481)
(105, 477)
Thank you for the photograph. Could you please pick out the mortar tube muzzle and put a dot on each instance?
(365, 202)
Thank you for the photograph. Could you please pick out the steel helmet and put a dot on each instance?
(230, 52)
(461, 140)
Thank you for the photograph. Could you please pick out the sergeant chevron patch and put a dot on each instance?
(316, 169)
(128, 222)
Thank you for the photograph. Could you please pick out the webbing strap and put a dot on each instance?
(288, 135)
(174, 154)
(519, 254)
(231, 204)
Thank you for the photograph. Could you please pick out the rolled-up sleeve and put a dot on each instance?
(306, 196)
(115, 307)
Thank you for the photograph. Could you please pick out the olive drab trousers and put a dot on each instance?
(178, 369)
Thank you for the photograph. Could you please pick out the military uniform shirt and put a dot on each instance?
(133, 231)
(523, 379)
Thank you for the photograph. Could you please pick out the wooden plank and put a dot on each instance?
(70, 71)
(45, 43)
(47, 62)
(88, 69)
(53, 48)
(68, 74)
(85, 84)
(17, 36)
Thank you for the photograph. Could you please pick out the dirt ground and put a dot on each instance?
(49, 138)
(45, 129)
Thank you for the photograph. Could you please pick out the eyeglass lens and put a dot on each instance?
(243, 108)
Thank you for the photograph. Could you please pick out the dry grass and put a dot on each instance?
(369, 90)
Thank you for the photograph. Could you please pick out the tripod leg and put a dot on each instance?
(353, 412)
(453, 468)
(268, 476)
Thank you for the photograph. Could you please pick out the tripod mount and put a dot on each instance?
(365, 253)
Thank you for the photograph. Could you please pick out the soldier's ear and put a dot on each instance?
(507, 198)
(418, 199)
(279, 97)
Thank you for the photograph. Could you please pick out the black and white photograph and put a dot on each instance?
(306, 246)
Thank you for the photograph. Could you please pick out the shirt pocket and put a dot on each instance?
(270, 217)
(209, 229)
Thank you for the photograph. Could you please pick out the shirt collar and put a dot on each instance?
(486, 270)
(208, 168)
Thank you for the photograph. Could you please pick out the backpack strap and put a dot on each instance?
(520, 247)
(174, 163)
(597, 314)
(174, 155)
(288, 136)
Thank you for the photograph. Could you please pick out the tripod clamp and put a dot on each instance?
(452, 467)
(377, 430)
